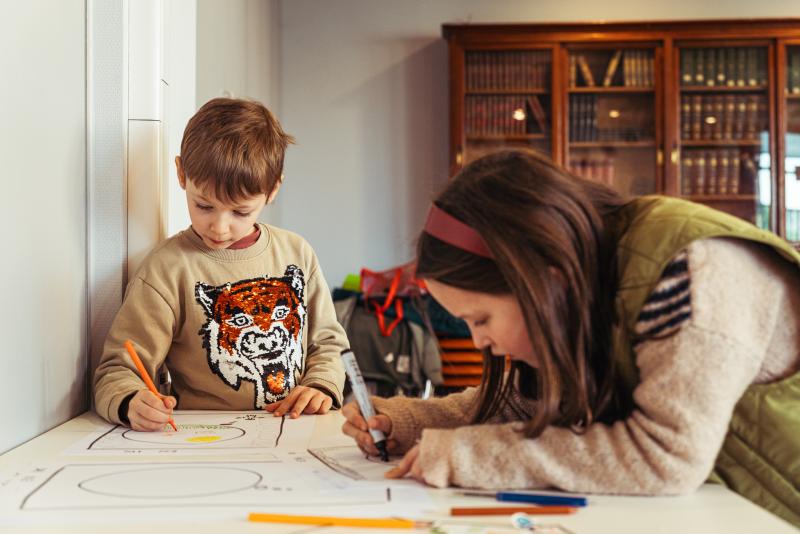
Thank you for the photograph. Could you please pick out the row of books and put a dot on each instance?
(595, 169)
(504, 115)
(793, 74)
(637, 70)
(727, 67)
(723, 117)
(716, 172)
(583, 124)
(508, 70)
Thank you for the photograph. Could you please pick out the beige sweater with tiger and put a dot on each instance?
(738, 324)
(237, 329)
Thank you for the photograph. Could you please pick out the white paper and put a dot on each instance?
(203, 433)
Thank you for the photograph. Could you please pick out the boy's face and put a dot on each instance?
(221, 224)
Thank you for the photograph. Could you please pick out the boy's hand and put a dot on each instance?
(149, 413)
(301, 399)
(357, 428)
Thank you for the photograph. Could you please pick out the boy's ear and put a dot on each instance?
(181, 176)
(275, 189)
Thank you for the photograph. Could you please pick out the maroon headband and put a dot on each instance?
(447, 228)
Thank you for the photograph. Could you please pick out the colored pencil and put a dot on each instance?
(337, 521)
(143, 373)
(508, 510)
(532, 498)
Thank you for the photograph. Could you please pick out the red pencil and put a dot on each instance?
(143, 373)
(507, 510)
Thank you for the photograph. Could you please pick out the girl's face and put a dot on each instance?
(495, 321)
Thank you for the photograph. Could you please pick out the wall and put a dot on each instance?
(238, 55)
(43, 160)
(364, 90)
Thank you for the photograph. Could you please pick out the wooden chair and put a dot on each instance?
(462, 363)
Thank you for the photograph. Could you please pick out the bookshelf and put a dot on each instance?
(706, 110)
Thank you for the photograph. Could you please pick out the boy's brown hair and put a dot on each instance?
(234, 148)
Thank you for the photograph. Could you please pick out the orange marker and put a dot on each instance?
(143, 372)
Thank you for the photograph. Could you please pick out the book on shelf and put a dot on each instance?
(687, 65)
(712, 167)
(586, 72)
(538, 113)
(687, 173)
(697, 116)
(724, 172)
(721, 69)
(728, 116)
(710, 66)
(730, 67)
(611, 70)
(741, 67)
(686, 117)
(718, 105)
(707, 116)
(699, 68)
(735, 174)
(573, 71)
(793, 77)
(699, 185)
(752, 66)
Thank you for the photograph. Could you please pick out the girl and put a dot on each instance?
(651, 342)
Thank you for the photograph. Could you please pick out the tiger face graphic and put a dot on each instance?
(254, 331)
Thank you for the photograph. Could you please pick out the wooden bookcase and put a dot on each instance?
(707, 110)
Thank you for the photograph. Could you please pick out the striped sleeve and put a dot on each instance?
(669, 304)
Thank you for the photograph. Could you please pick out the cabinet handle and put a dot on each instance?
(459, 157)
(659, 157)
(673, 156)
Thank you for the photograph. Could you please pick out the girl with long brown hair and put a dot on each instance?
(643, 335)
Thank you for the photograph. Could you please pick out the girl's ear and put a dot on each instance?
(181, 176)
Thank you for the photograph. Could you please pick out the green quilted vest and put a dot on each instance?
(760, 457)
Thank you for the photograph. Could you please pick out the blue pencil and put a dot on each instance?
(533, 498)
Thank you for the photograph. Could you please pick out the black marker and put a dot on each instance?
(362, 397)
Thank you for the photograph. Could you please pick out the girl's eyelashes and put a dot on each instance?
(204, 207)
(241, 214)
(480, 322)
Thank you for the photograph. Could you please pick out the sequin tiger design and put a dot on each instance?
(254, 332)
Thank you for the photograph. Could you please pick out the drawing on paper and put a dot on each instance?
(350, 461)
(204, 433)
(215, 484)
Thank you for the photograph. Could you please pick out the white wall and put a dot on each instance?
(238, 55)
(43, 269)
(363, 88)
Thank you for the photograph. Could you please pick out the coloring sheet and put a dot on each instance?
(203, 433)
(208, 490)
(350, 461)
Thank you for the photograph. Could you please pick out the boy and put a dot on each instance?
(238, 311)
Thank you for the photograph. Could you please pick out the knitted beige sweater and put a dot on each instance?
(237, 329)
(743, 327)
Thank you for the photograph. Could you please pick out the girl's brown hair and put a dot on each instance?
(234, 148)
(552, 251)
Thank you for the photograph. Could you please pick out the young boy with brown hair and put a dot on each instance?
(237, 310)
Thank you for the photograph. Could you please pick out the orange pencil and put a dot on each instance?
(508, 510)
(143, 372)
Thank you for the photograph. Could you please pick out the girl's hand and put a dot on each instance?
(301, 399)
(148, 412)
(357, 428)
(409, 465)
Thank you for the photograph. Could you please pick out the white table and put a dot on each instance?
(711, 509)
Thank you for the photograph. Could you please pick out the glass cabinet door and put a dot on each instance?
(792, 146)
(507, 101)
(724, 130)
(611, 119)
